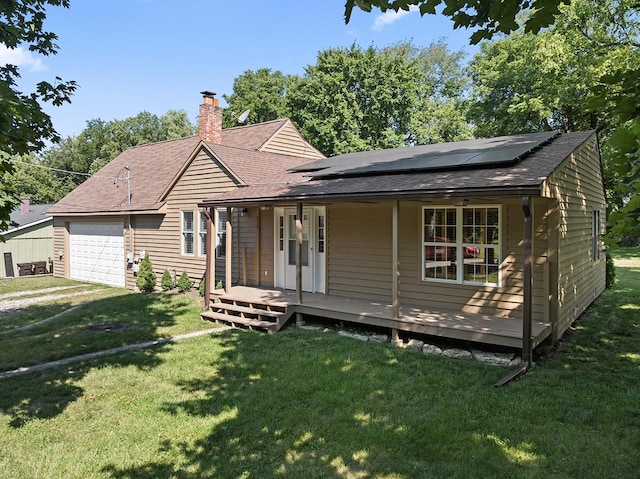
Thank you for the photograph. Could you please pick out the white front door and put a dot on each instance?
(313, 249)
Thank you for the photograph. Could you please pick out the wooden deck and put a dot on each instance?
(445, 324)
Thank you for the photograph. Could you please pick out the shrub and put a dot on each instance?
(146, 279)
(202, 286)
(167, 282)
(611, 272)
(184, 283)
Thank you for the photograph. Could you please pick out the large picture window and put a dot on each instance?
(187, 233)
(461, 244)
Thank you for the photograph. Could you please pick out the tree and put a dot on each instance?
(94, 147)
(607, 25)
(146, 277)
(526, 83)
(24, 126)
(487, 17)
(262, 92)
(354, 99)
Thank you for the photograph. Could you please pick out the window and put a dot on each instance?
(187, 233)
(305, 239)
(221, 233)
(461, 244)
(202, 234)
(595, 235)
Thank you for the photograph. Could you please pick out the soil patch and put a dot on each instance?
(106, 327)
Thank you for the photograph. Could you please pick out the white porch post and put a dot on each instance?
(229, 252)
(299, 209)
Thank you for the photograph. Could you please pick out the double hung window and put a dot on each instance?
(188, 239)
(221, 233)
(461, 244)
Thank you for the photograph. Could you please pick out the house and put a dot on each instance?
(28, 240)
(146, 199)
(494, 241)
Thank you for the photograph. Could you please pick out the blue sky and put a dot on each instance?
(130, 56)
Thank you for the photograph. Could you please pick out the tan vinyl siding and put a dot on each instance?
(267, 245)
(245, 248)
(161, 235)
(359, 260)
(359, 251)
(577, 184)
(287, 141)
(504, 300)
(60, 244)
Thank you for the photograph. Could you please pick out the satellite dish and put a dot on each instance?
(243, 117)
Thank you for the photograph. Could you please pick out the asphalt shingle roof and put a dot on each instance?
(154, 167)
(528, 174)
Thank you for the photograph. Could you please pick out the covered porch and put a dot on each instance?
(446, 324)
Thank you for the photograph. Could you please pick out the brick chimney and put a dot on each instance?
(210, 123)
(25, 206)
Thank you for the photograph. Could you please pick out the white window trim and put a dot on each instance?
(460, 244)
(184, 232)
(202, 234)
(595, 234)
(221, 228)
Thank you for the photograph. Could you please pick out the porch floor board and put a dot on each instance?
(457, 325)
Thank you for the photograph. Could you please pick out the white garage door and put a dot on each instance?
(96, 253)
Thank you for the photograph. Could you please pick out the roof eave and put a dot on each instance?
(518, 191)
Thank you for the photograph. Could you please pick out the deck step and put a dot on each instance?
(251, 323)
(247, 310)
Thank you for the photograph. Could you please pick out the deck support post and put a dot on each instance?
(229, 252)
(395, 337)
(527, 348)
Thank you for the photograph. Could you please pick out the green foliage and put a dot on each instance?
(487, 17)
(355, 100)
(146, 278)
(611, 272)
(184, 284)
(527, 83)
(24, 125)
(102, 141)
(202, 286)
(167, 281)
(263, 92)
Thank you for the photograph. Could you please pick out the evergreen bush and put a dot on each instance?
(202, 286)
(167, 281)
(184, 283)
(611, 272)
(146, 279)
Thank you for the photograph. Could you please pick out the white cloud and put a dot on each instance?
(21, 57)
(391, 16)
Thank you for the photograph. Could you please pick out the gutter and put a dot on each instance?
(533, 190)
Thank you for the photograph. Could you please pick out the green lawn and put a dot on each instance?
(303, 404)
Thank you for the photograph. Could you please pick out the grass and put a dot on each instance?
(305, 404)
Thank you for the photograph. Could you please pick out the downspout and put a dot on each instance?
(527, 349)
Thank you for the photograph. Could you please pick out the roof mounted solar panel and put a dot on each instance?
(483, 153)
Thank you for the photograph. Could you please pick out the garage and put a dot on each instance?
(96, 253)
